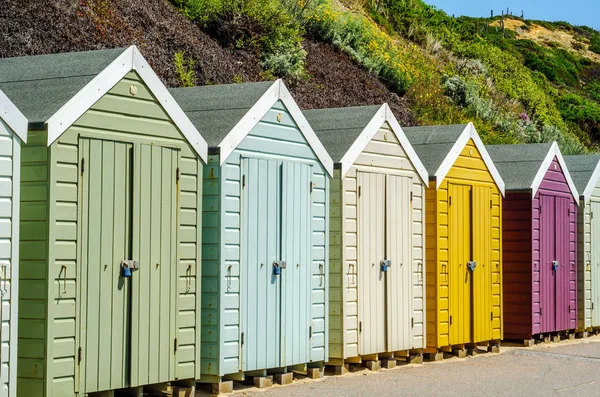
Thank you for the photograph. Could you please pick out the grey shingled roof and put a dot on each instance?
(40, 85)
(338, 128)
(433, 143)
(581, 169)
(216, 109)
(518, 164)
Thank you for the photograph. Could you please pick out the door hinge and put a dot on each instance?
(541, 311)
(491, 316)
(491, 204)
(591, 215)
(177, 175)
(540, 208)
(79, 352)
(450, 200)
(243, 181)
(451, 320)
(359, 326)
(592, 305)
(412, 322)
(411, 197)
(311, 186)
(359, 191)
(310, 331)
(175, 345)
(242, 339)
(82, 165)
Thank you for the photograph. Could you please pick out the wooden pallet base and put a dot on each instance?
(581, 334)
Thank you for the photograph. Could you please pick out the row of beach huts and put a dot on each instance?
(152, 238)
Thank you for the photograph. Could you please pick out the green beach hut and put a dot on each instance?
(110, 233)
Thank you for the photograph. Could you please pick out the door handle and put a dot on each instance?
(321, 274)
(5, 272)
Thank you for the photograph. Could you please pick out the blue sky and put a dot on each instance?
(577, 12)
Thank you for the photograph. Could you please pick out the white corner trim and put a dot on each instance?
(278, 91)
(246, 123)
(468, 133)
(14, 264)
(404, 142)
(591, 185)
(539, 177)
(362, 141)
(305, 128)
(130, 59)
(13, 117)
(162, 95)
(88, 95)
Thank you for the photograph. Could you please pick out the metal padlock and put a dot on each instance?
(555, 265)
(472, 265)
(125, 272)
(385, 264)
(127, 266)
(277, 266)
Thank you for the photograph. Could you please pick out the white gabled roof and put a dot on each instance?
(130, 59)
(13, 117)
(277, 92)
(539, 177)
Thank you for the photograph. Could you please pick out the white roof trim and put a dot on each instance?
(13, 117)
(130, 59)
(469, 133)
(539, 177)
(383, 114)
(278, 91)
(591, 185)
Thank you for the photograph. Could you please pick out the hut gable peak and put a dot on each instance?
(585, 171)
(13, 118)
(554, 153)
(352, 128)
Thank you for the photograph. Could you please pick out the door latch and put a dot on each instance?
(277, 266)
(472, 265)
(555, 265)
(127, 266)
(385, 264)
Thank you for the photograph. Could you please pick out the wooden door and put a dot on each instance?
(129, 206)
(296, 250)
(595, 261)
(482, 255)
(460, 277)
(398, 219)
(547, 278)
(105, 229)
(154, 292)
(371, 251)
(562, 254)
(261, 246)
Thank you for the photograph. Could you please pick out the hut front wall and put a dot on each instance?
(221, 326)
(10, 159)
(468, 170)
(516, 266)
(51, 242)
(383, 155)
(555, 184)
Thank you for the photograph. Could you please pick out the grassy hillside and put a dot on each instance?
(519, 80)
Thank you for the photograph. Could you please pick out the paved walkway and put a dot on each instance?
(569, 368)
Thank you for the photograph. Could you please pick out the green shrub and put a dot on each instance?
(185, 69)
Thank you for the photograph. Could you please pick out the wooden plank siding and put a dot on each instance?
(121, 117)
(383, 154)
(33, 252)
(517, 241)
(469, 169)
(585, 245)
(337, 286)
(221, 327)
(10, 159)
(554, 184)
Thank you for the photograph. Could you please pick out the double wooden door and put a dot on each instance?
(595, 262)
(129, 205)
(469, 273)
(385, 296)
(277, 263)
(555, 263)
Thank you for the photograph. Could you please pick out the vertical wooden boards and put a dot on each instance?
(595, 262)
(562, 255)
(460, 283)
(104, 313)
(399, 278)
(260, 300)
(547, 275)
(154, 234)
(371, 242)
(296, 242)
(482, 255)
(339, 274)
